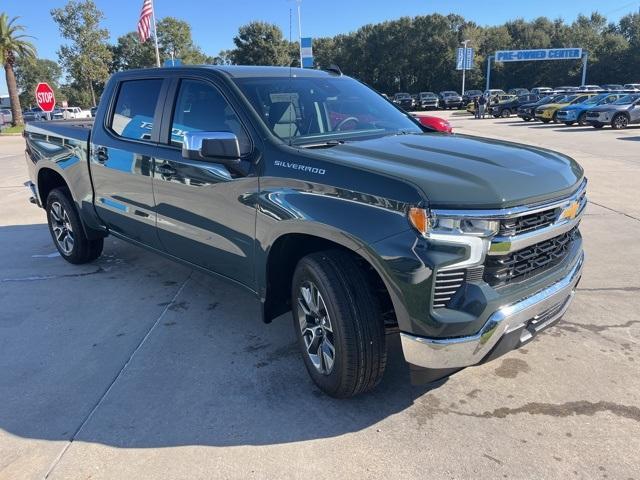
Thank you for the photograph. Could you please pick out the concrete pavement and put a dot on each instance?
(136, 367)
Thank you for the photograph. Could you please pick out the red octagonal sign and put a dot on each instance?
(45, 98)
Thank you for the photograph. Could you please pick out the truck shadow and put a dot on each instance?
(137, 351)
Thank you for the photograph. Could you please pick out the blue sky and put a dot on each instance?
(215, 22)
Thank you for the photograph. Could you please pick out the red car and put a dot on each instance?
(437, 123)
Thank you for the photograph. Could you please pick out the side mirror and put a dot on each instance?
(214, 147)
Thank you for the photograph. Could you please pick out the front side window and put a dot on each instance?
(200, 107)
(135, 106)
(312, 109)
(627, 99)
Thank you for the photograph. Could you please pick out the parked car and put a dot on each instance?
(5, 116)
(239, 181)
(75, 112)
(404, 101)
(450, 99)
(549, 113)
(492, 92)
(612, 87)
(33, 115)
(565, 89)
(577, 113)
(619, 114)
(435, 123)
(93, 111)
(506, 108)
(517, 91)
(589, 88)
(428, 101)
(632, 86)
(542, 90)
(527, 111)
(470, 95)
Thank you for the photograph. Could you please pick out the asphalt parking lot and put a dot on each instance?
(137, 367)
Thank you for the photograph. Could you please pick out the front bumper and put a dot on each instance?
(511, 325)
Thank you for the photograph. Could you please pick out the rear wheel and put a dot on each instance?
(527, 119)
(506, 113)
(555, 117)
(545, 120)
(568, 124)
(338, 323)
(620, 121)
(66, 229)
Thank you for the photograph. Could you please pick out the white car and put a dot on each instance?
(75, 112)
(632, 86)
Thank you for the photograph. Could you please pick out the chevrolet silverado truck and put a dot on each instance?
(320, 197)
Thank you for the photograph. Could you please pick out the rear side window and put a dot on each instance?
(135, 106)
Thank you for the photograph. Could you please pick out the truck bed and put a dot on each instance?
(77, 129)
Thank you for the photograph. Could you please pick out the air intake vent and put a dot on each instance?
(446, 285)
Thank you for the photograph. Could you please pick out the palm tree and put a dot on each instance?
(13, 44)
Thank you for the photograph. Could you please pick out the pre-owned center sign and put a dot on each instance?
(541, 54)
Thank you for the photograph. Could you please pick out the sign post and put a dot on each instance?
(464, 61)
(45, 98)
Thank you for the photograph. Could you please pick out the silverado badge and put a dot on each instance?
(571, 211)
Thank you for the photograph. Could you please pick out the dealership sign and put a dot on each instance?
(542, 54)
(306, 52)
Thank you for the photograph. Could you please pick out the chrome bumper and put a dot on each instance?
(450, 353)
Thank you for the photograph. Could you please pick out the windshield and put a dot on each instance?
(627, 100)
(319, 109)
(449, 94)
(427, 95)
(400, 96)
(595, 100)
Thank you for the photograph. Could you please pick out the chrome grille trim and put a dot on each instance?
(446, 285)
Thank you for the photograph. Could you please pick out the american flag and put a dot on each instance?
(144, 24)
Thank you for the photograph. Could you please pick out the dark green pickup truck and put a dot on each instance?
(321, 197)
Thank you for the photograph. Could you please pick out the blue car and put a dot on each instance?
(577, 113)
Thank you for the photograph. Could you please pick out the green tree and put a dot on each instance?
(13, 46)
(261, 43)
(87, 57)
(30, 72)
(129, 52)
(175, 41)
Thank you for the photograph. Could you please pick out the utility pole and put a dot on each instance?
(464, 64)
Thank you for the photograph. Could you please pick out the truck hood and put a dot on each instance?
(460, 171)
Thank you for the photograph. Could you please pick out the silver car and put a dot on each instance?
(5, 116)
(619, 114)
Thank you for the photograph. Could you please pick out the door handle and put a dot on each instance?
(166, 170)
(101, 154)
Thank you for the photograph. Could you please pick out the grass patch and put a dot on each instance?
(10, 130)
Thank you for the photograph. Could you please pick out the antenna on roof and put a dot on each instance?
(333, 68)
(290, 81)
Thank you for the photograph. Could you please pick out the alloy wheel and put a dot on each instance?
(316, 328)
(62, 229)
(620, 121)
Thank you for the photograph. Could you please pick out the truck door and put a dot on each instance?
(121, 159)
(205, 215)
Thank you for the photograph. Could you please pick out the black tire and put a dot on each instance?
(545, 120)
(582, 119)
(619, 122)
(506, 113)
(598, 125)
(555, 117)
(67, 231)
(527, 119)
(353, 313)
(568, 124)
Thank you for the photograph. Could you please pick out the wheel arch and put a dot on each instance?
(286, 251)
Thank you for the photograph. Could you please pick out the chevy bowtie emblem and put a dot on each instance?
(571, 211)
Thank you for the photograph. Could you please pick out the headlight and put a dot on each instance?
(426, 223)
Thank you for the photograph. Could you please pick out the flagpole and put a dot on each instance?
(155, 33)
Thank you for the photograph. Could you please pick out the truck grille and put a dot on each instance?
(527, 223)
(503, 269)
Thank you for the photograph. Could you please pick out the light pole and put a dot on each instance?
(464, 63)
(299, 3)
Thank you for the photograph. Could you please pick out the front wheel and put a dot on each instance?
(582, 119)
(545, 120)
(338, 323)
(506, 113)
(66, 229)
(555, 117)
(527, 119)
(620, 122)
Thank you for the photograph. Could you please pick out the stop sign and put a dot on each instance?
(45, 98)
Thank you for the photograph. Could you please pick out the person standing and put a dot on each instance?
(476, 107)
(482, 102)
